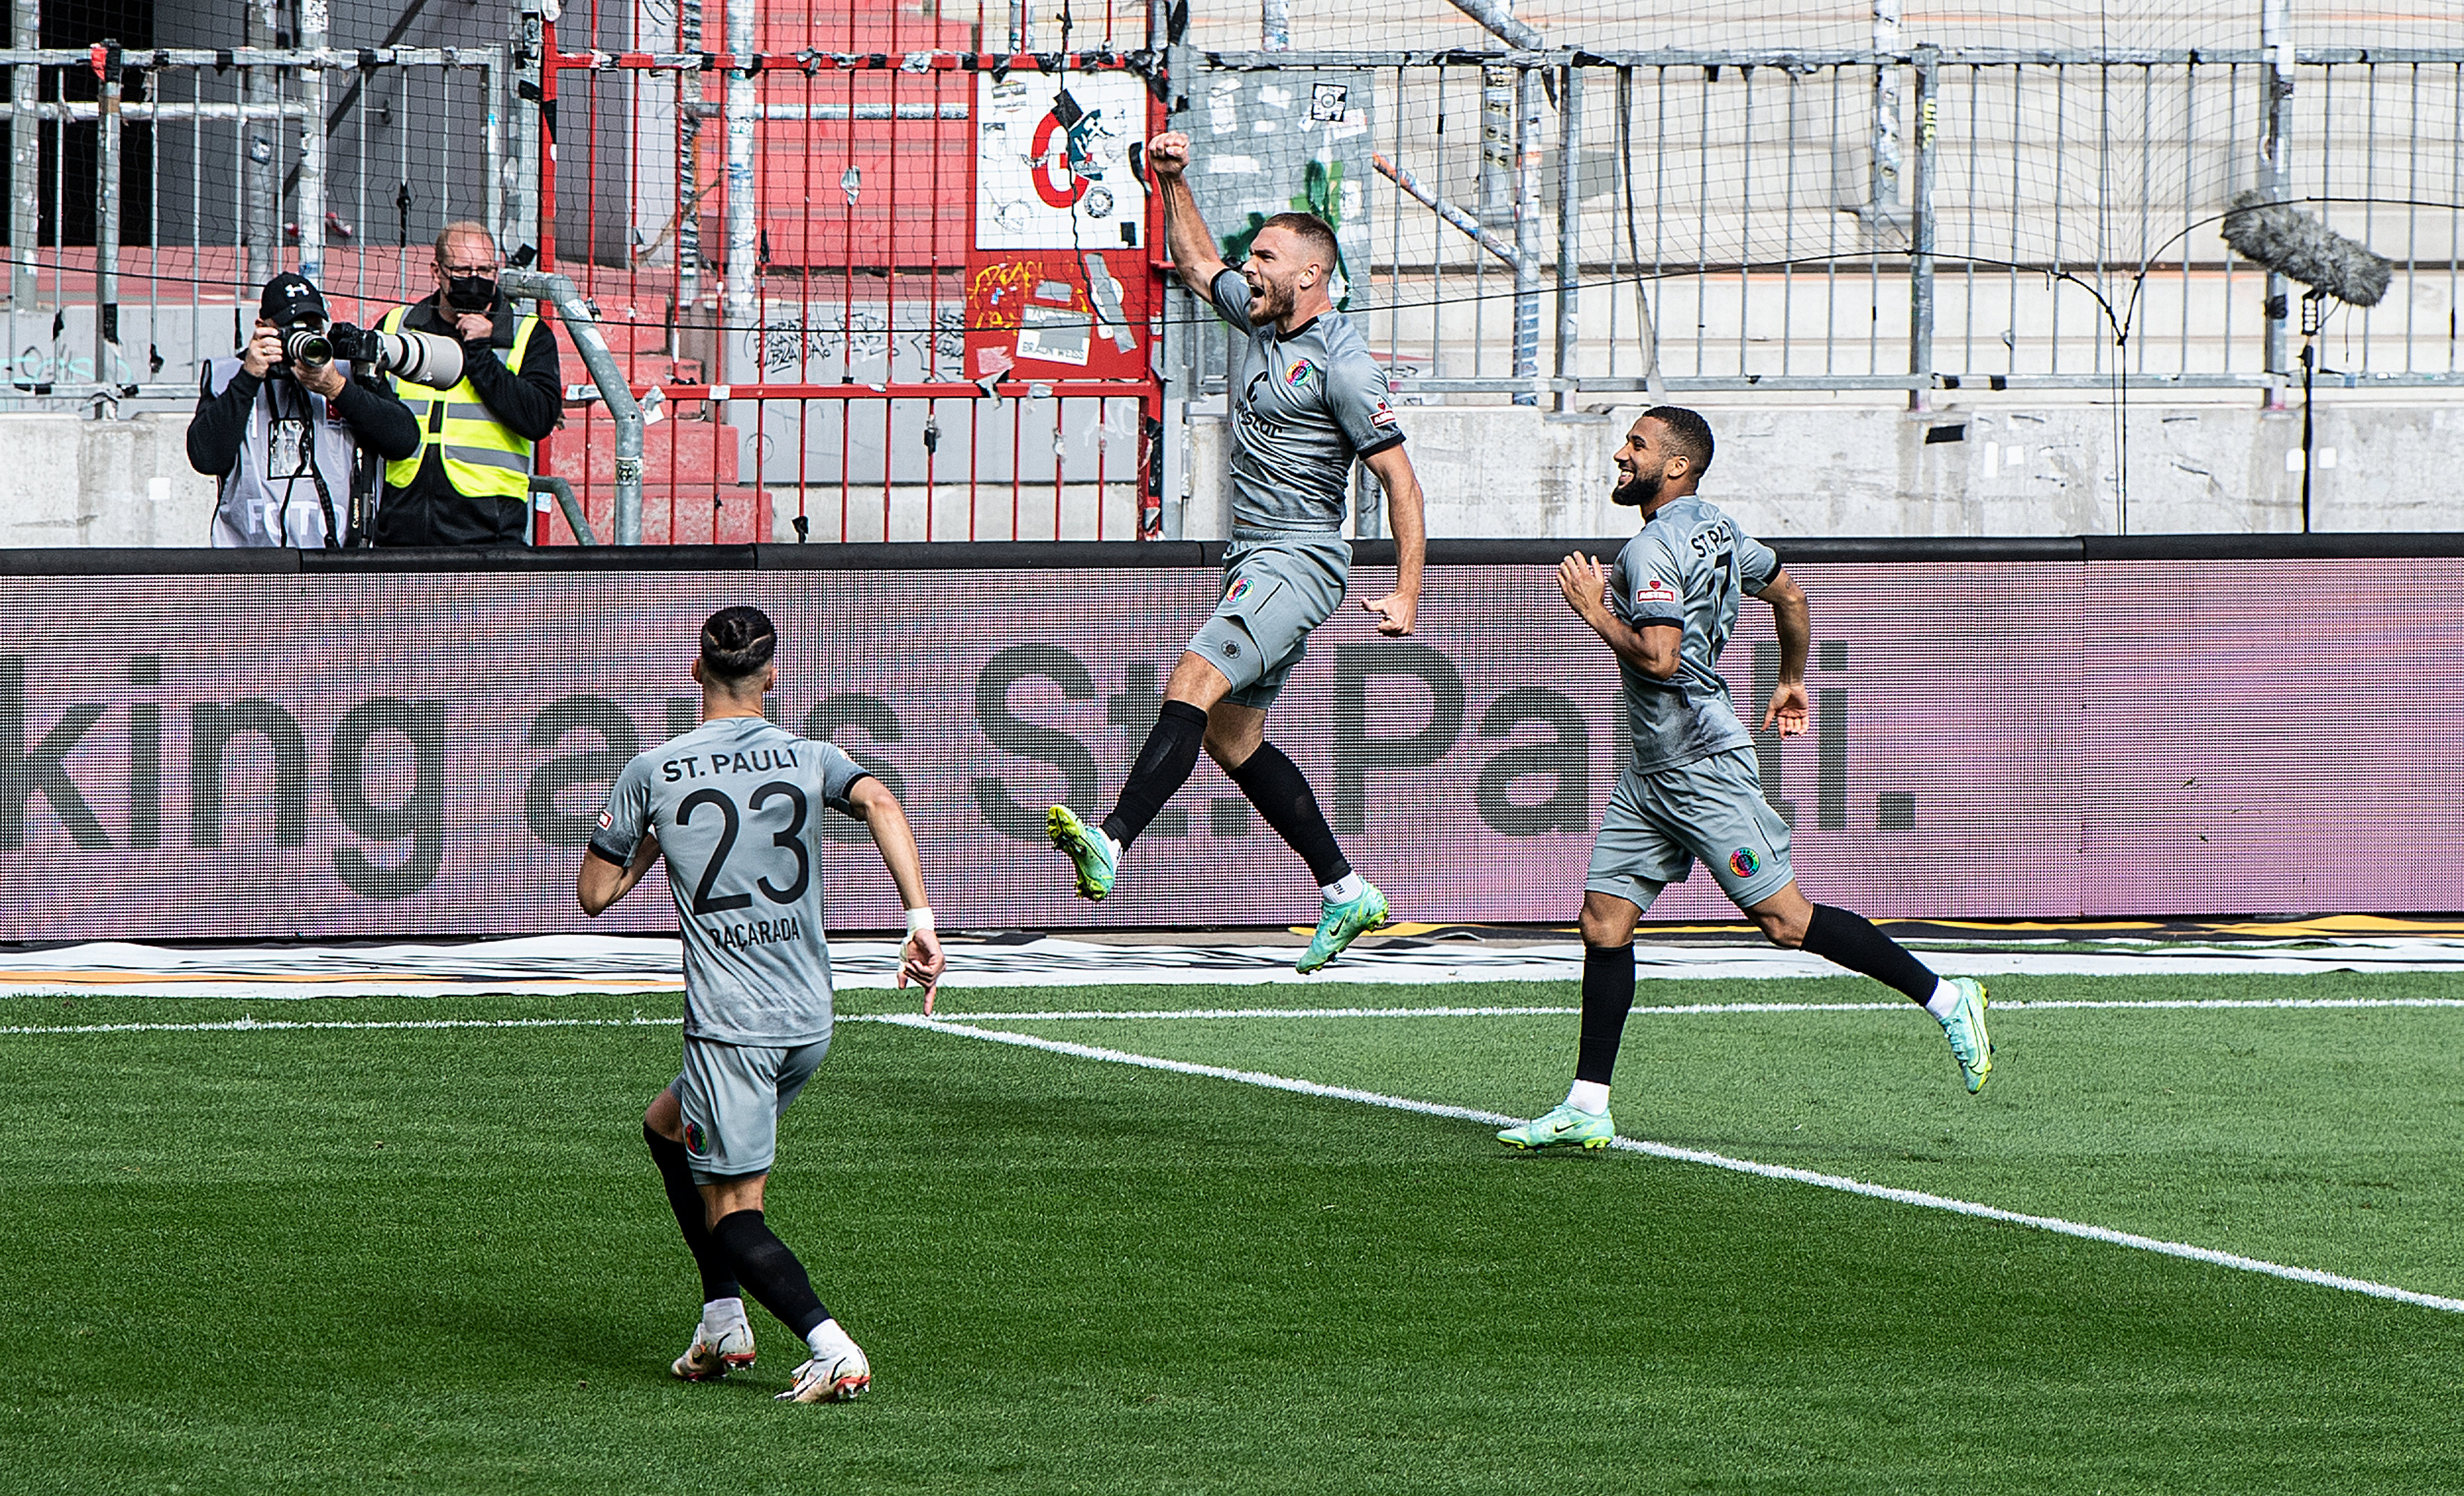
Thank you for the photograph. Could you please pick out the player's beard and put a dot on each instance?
(1270, 303)
(1637, 492)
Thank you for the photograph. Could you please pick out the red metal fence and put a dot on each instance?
(872, 280)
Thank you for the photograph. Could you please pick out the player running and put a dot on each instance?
(1307, 399)
(1665, 610)
(731, 806)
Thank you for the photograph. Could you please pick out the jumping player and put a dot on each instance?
(1305, 401)
(731, 806)
(1666, 610)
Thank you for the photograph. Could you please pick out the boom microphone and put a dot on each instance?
(2298, 247)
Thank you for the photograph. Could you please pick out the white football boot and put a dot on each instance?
(837, 1373)
(713, 1355)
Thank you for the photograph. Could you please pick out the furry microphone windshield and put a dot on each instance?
(2295, 245)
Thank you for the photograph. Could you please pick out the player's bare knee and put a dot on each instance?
(665, 1117)
(1787, 931)
(1198, 681)
(1607, 924)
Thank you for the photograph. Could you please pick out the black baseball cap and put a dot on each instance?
(289, 299)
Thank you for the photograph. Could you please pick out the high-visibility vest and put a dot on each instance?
(481, 456)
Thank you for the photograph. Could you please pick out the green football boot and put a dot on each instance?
(1563, 1124)
(1965, 1028)
(1338, 925)
(1088, 848)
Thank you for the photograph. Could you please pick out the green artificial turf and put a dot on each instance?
(438, 1260)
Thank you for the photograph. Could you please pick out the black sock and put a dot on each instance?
(1608, 997)
(1851, 940)
(684, 1198)
(1275, 785)
(771, 1271)
(1162, 768)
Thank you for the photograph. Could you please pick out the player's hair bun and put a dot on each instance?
(737, 641)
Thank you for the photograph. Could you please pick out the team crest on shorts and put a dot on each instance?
(1743, 862)
(1233, 594)
(696, 1141)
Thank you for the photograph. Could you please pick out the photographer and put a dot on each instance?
(469, 481)
(285, 434)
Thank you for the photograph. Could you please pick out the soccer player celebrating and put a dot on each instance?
(1307, 400)
(1666, 610)
(731, 807)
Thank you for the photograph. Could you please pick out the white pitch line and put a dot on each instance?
(1084, 1014)
(1680, 1009)
(251, 1024)
(1829, 1182)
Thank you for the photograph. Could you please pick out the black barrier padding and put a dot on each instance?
(533, 559)
(988, 555)
(115, 560)
(2274, 547)
(1168, 555)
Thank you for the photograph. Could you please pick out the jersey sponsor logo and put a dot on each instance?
(1743, 862)
(1297, 376)
(1654, 590)
(1383, 415)
(696, 1141)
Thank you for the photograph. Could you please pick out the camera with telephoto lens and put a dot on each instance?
(306, 344)
(421, 358)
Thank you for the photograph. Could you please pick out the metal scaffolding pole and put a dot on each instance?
(1526, 233)
(107, 222)
(743, 214)
(311, 206)
(1884, 188)
(2276, 167)
(264, 173)
(25, 161)
(1570, 218)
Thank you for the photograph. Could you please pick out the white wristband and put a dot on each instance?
(918, 920)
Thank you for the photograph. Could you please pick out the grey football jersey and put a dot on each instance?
(1688, 567)
(1304, 405)
(733, 804)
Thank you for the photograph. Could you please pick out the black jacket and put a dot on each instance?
(429, 511)
(383, 423)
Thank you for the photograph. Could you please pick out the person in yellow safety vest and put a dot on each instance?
(468, 483)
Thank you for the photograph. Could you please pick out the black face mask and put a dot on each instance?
(472, 293)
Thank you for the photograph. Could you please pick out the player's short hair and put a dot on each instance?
(1689, 434)
(736, 643)
(462, 228)
(1314, 231)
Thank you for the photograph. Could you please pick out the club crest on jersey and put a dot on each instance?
(1743, 862)
(1297, 376)
(696, 1141)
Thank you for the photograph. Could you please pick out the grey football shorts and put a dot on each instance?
(1712, 808)
(1274, 593)
(732, 1096)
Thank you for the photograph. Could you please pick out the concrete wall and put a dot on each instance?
(69, 480)
(2014, 470)
(1784, 470)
